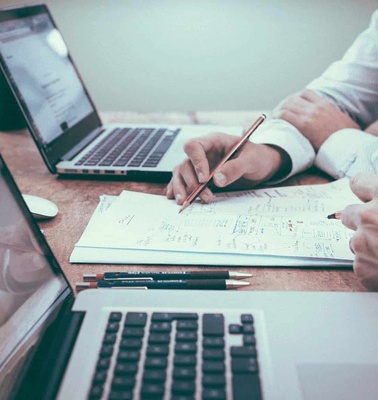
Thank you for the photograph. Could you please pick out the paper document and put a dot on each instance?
(274, 226)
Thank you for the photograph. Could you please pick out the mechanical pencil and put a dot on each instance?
(201, 284)
(185, 275)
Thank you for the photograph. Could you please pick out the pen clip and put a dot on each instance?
(128, 279)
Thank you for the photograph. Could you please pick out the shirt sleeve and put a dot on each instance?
(347, 152)
(280, 133)
(352, 82)
(352, 85)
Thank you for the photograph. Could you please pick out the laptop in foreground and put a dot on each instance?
(62, 117)
(170, 344)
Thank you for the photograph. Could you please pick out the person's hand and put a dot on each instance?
(315, 117)
(373, 128)
(253, 164)
(363, 218)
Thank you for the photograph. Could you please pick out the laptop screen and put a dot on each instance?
(37, 64)
(30, 279)
(36, 56)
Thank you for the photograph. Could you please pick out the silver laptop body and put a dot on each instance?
(275, 345)
(62, 117)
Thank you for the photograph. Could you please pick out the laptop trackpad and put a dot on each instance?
(338, 381)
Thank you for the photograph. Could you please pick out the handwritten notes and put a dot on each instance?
(287, 223)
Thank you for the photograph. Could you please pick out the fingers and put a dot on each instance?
(183, 182)
(350, 216)
(203, 154)
(365, 186)
(363, 216)
(196, 151)
(310, 96)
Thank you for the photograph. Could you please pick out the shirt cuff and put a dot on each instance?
(280, 133)
(339, 155)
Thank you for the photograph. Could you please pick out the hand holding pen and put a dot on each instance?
(253, 164)
(231, 153)
(363, 219)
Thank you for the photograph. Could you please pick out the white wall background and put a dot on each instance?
(182, 55)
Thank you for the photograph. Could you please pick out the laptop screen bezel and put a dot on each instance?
(53, 152)
(64, 297)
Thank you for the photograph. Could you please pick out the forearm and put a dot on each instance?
(347, 152)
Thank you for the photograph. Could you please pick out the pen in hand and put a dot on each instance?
(199, 284)
(336, 215)
(189, 200)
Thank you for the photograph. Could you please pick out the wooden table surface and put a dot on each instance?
(78, 198)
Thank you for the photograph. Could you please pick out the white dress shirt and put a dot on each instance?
(352, 85)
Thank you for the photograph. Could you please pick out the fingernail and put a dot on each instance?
(200, 177)
(220, 179)
(206, 198)
(178, 197)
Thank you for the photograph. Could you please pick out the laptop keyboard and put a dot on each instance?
(131, 147)
(178, 356)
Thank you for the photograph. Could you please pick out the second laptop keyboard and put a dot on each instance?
(130, 147)
(177, 356)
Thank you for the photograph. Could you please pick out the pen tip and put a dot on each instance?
(336, 215)
(185, 205)
(86, 285)
(231, 284)
(239, 275)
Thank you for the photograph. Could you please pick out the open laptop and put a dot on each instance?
(62, 117)
(162, 344)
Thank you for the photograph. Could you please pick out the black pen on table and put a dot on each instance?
(199, 284)
(184, 275)
(246, 135)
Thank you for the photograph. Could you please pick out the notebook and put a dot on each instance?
(170, 344)
(62, 117)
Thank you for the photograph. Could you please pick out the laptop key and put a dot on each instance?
(103, 363)
(183, 387)
(213, 325)
(213, 380)
(213, 354)
(125, 369)
(187, 325)
(213, 342)
(213, 367)
(123, 382)
(152, 391)
(114, 395)
(242, 365)
(249, 340)
(246, 387)
(242, 351)
(132, 332)
(214, 394)
(154, 375)
(185, 336)
(246, 318)
(156, 363)
(135, 319)
(157, 350)
(96, 392)
(184, 373)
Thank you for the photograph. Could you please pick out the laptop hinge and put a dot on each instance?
(82, 144)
